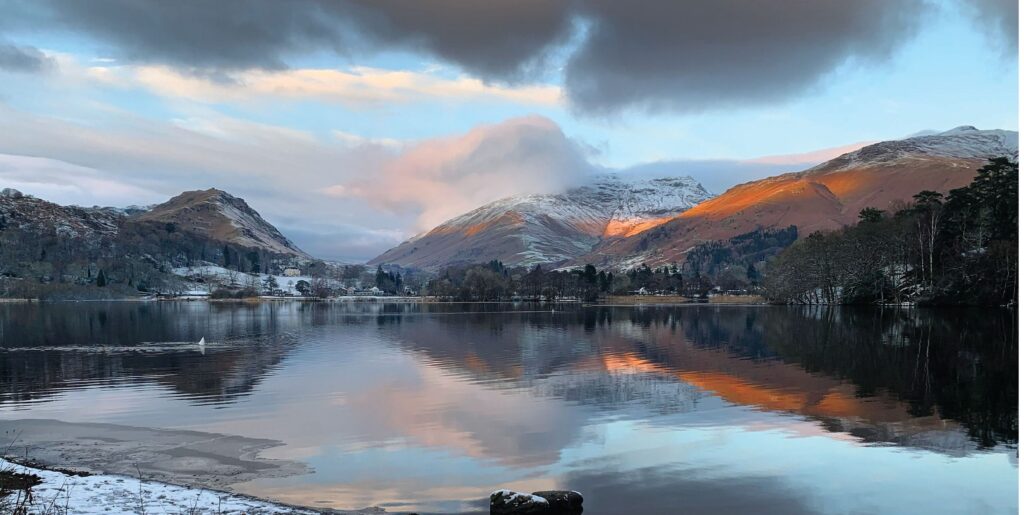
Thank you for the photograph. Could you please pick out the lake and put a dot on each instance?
(678, 409)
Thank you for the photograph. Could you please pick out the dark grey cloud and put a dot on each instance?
(15, 58)
(1000, 15)
(643, 54)
(224, 34)
(507, 40)
(691, 56)
(485, 38)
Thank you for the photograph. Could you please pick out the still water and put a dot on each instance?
(685, 409)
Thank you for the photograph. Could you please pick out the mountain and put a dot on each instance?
(219, 216)
(824, 197)
(38, 218)
(546, 229)
(54, 251)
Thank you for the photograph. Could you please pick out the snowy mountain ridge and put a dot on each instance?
(541, 229)
(963, 142)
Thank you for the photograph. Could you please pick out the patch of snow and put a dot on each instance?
(218, 275)
(103, 493)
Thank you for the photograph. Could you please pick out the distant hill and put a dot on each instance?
(549, 229)
(826, 196)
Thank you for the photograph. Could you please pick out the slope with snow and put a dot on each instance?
(221, 217)
(824, 197)
(544, 229)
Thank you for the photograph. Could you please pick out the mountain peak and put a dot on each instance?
(961, 129)
(221, 216)
(553, 228)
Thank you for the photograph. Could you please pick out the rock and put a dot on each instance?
(507, 502)
(548, 502)
(562, 501)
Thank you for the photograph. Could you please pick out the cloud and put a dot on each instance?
(484, 37)
(65, 183)
(445, 177)
(1001, 13)
(340, 196)
(358, 87)
(22, 59)
(693, 56)
(646, 55)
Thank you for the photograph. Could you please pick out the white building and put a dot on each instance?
(292, 272)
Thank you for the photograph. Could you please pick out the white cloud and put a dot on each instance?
(356, 87)
(341, 196)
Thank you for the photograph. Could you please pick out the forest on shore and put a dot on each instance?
(960, 248)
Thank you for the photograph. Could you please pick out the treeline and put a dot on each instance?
(47, 261)
(734, 264)
(495, 281)
(739, 262)
(955, 249)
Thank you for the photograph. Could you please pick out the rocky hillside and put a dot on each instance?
(46, 248)
(40, 218)
(548, 229)
(222, 217)
(827, 196)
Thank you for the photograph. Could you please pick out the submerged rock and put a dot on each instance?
(548, 502)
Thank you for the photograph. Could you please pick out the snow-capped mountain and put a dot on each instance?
(544, 229)
(221, 217)
(964, 142)
(825, 197)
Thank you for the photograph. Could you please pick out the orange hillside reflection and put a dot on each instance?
(776, 386)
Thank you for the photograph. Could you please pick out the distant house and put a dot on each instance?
(292, 272)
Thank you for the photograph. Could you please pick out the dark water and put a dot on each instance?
(691, 409)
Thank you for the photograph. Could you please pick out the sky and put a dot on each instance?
(352, 125)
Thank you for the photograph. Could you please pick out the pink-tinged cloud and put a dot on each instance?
(445, 177)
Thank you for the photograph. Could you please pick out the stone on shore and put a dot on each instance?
(563, 501)
(507, 502)
(548, 502)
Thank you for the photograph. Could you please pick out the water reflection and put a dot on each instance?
(425, 407)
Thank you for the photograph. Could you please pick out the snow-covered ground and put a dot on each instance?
(215, 275)
(108, 494)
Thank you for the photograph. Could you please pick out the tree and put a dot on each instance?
(752, 274)
(870, 215)
(320, 288)
(270, 285)
(303, 287)
(101, 279)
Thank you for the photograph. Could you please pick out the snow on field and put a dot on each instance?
(221, 275)
(109, 494)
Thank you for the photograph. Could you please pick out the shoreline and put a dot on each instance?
(78, 492)
(99, 461)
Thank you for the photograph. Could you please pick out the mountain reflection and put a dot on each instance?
(944, 380)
